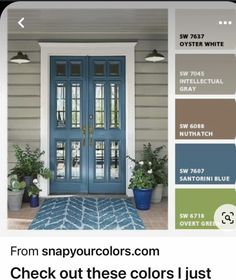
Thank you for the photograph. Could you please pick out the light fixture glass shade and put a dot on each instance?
(20, 58)
(154, 56)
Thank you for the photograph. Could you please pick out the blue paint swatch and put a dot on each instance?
(205, 164)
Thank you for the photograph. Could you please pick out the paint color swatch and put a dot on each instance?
(195, 208)
(205, 74)
(205, 119)
(205, 29)
(205, 164)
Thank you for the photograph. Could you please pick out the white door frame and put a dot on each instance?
(86, 49)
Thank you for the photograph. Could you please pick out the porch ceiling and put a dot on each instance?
(104, 21)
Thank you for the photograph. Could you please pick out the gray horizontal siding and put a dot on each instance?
(23, 90)
(150, 112)
(23, 113)
(24, 101)
(151, 79)
(28, 123)
(23, 79)
(151, 88)
(147, 68)
(157, 90)
(31, 68)
(151, 124)
(151, 101)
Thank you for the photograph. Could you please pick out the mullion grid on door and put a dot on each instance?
(99, 157)
(77, 160)
(114, 147)
(76, 85)
(75, 110)
(60, 155)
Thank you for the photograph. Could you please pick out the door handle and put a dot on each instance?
(91, 136)
(84, 135)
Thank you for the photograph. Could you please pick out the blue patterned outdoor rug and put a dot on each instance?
(78, 213)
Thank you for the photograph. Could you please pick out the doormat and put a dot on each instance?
(79, 213)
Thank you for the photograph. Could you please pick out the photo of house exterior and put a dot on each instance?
(87, 97)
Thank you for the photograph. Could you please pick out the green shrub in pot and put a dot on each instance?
(158, 161)
(29, 166)
(142, 182)
(141, 178)
(29, 163)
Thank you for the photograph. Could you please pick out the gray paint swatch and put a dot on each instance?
(205, 74)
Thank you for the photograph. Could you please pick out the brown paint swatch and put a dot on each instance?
(205, 119)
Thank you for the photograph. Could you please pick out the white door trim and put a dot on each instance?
(86, 49)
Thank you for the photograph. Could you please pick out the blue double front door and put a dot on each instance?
(87, 124)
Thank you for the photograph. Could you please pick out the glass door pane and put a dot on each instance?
(99, 105)
(61, 105)
(61, 160)
(75, 106)
(115, 106)
(100, 160)
(75, 160)
(114, 160)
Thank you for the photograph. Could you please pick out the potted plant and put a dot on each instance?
(33, 192)
(158, 160)
(29, 166)
(142, 182)
(15, 194)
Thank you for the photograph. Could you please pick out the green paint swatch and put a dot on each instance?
(195, 208)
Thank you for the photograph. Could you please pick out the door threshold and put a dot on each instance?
(88, 195)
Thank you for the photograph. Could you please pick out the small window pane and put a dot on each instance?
(99, 69)
(115, 105)
(75, 160)
(61, 155)
(114, 160)
(75, 68)
(61, 69)
(99, 159)
(114, 69)
(61, 105)
(75, 99)
(99, 105)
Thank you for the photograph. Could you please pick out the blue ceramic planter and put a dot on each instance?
(142, 198)
(34, 201)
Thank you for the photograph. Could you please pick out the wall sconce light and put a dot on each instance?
(154, 56)
(20, 58)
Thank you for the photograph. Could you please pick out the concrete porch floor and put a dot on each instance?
(156, 218)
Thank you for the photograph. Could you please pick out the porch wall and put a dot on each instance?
(24, 88)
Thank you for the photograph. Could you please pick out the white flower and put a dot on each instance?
(35, 181)
(141, 162)
(149, 171)
(149, 163)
